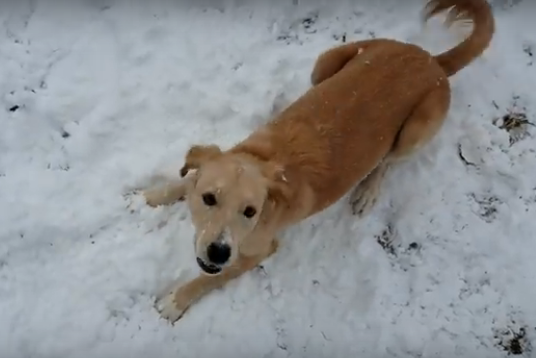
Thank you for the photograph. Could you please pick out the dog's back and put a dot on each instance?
(363, 93)
(337, 132)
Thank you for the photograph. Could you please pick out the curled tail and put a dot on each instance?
(476, 11)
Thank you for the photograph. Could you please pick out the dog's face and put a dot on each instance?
(228, 197)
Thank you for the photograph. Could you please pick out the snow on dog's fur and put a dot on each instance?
(372, 103)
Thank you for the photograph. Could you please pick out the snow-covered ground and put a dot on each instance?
(97, 97)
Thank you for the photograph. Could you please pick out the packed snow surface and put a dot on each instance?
(97, 98)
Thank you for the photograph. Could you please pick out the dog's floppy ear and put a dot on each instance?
(279, 189)
(197, 155)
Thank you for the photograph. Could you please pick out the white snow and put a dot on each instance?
(131, 85)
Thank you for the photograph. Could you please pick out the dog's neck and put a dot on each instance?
(258, 145)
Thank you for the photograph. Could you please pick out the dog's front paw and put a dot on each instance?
(160, 196)
(153, 196)
(171, 307)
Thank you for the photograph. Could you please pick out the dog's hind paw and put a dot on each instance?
(363, 199)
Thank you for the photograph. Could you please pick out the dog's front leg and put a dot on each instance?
(168, 193)
(174, 304)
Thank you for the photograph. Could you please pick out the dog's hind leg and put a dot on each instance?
(333, 60)
(423, 124)
(365, 194)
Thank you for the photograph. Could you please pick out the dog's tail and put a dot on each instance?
(477, 12)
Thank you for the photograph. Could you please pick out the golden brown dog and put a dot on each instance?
(372, 103)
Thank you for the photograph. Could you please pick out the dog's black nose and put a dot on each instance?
(218, 253)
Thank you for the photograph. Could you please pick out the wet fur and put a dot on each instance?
(372, 103)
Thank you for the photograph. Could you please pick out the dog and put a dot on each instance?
(372, 103)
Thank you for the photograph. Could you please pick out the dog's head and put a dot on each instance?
(229, 197)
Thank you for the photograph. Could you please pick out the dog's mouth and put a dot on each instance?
(208, 268)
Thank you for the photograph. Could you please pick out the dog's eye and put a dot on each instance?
(249, 212)
(209, 199)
